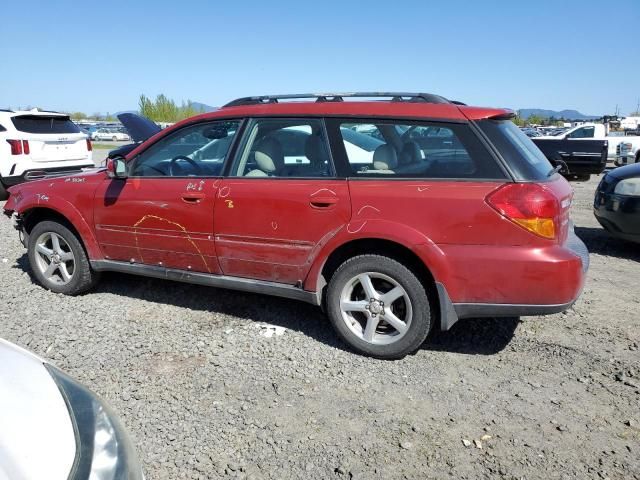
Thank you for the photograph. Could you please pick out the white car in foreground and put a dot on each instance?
(110, 134)
(36, 144)
(52, 427)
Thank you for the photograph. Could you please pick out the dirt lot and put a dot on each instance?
(205, 395)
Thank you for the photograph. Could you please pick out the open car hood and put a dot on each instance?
(139, 128)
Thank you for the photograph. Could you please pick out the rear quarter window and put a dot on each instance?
(523, 156)
(44, 124)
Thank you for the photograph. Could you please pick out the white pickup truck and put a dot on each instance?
(599, 131)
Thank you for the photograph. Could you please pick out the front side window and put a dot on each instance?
(194, 151)
(416, 150)
(284, 148)
(584, 132)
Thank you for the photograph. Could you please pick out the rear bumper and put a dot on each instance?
(40, 173)
(521, 282)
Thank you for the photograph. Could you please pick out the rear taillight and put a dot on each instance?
(89, 146)
(528, 205)
(25, 147)
(16, 147)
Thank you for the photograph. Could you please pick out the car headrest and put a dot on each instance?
(385, 157)
(269, 155)
(314, 150)
(410, 153)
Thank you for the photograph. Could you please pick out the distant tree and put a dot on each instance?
(78, 116)
(635, 114)
(535, 120)
(518, 120)
(163, 109)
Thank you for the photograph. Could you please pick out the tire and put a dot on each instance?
(350, 312)
(70, 277)
(3, 192)
(113, 139)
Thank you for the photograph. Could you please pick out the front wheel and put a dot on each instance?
(378, 306)
(58, 259)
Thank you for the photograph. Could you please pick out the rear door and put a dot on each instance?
(52, 138)
(162, 214)
(280, 203)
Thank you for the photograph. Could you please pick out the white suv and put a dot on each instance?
(36, 144)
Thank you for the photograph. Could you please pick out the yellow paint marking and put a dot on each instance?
(155, 217)
(229, 203)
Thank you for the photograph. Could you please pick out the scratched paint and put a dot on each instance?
(75, 180)
(224, 192)
(189, 239)
(195, 186)
(367, 207)
(356, 227)
(42, 197)
(323, 190)
(274, 225)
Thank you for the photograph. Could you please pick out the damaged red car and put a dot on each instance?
(398, 213)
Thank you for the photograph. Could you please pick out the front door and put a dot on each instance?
(281, 202)
(162, 214)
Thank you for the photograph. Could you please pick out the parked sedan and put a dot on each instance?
(110, 134)
(55, 428)
(617, 202)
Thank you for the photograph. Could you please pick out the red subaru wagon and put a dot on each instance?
(395, 212)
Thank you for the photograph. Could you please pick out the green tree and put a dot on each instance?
(78, 116)
(164, 109)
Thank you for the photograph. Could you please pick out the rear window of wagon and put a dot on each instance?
(44, 124)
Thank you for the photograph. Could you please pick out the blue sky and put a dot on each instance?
(96, 56)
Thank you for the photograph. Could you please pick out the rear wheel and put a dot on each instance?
(114, 139)
(58, 259)
(378, 306)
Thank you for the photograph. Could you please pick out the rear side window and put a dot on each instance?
(523, 156)
(416, 150)
(44, 124)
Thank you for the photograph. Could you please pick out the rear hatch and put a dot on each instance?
(52, 138)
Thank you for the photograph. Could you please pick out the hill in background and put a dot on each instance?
(566, 114)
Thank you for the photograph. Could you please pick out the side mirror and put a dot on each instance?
(117, 167)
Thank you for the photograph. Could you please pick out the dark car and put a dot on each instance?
(579, 159)
(617, 202)
(139, 129)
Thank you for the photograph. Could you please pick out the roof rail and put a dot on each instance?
(339, 97)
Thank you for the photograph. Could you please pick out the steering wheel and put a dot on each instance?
(191, 161)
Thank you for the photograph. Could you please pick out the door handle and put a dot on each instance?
(323, 202)
(192, 197)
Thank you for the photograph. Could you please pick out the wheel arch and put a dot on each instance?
(29, 217)
(375, 246)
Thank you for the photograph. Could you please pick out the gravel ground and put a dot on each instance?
(206, 394)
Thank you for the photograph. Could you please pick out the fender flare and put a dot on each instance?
(67, 210)
(376, 229)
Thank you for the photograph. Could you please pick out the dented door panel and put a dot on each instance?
(269, 228)
(158, 221)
